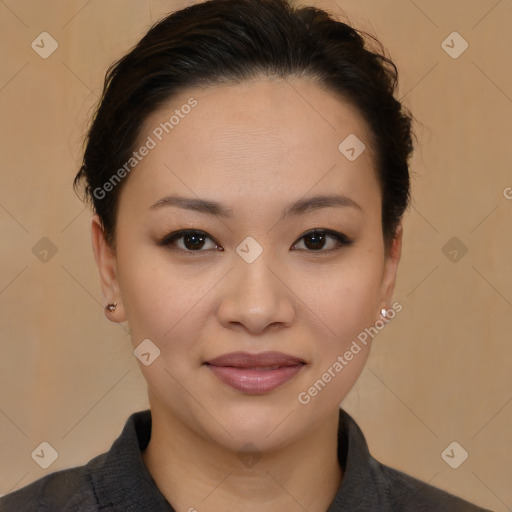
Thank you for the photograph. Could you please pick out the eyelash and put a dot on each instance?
(343, 240)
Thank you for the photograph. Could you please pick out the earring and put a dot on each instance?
(384, 312)
(111, 307)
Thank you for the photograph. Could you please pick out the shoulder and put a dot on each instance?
(406, 493)
(106, 478)
(371, 485)
(67, 490)
(114, 480)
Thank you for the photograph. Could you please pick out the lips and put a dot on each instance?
(255, 373)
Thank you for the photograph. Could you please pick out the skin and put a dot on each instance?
(254, 147)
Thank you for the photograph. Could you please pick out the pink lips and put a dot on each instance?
(255, 373)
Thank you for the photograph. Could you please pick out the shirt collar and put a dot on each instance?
(363, 486)
(121, 480)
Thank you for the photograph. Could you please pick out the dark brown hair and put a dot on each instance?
(231, 41)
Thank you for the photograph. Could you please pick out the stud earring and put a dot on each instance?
(384, 312)
(111, 307)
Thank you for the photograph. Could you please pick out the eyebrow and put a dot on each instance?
(215, 208)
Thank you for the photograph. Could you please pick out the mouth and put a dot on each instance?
(255, 374)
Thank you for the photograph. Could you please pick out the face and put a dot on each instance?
(252, 274)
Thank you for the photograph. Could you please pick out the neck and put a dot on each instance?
(195, 474)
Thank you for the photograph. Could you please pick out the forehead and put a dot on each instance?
(261, 138)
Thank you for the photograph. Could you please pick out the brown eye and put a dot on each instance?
(315, 240)
(190, 241)
(193, 240)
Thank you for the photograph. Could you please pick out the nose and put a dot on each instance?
(256, 296)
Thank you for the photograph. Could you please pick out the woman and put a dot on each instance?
(248, 171)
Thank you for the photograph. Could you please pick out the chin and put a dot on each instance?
(266, 423)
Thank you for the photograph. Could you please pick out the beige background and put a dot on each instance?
(440, 372)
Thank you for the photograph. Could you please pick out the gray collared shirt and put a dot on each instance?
(118, 481)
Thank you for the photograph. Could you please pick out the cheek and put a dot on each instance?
(163, 302)
(149, 290)
(161, 299)
(344, 296)
(346, 303)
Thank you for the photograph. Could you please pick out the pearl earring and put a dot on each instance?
(111, 307)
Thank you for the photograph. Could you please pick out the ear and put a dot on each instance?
(107, 266)
(390, 270)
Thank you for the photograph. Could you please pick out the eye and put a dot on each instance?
(193, 240)
(315, 240)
